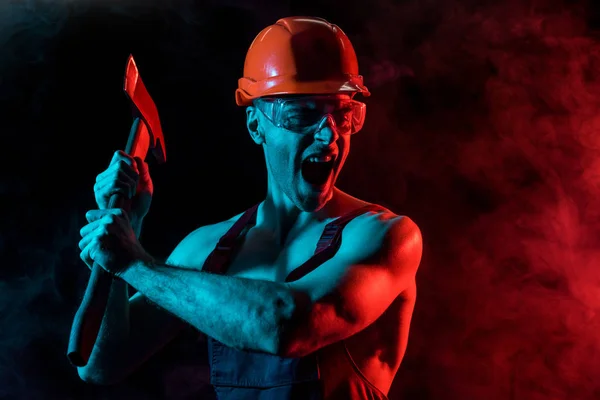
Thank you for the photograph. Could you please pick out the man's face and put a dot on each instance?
(306, 142)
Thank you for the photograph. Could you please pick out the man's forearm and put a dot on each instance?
(113, 332)
(136, 224)
(241, 313)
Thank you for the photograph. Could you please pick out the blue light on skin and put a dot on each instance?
(290, 199)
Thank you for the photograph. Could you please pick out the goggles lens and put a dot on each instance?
(305, 114)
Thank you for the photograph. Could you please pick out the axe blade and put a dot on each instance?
(144, 108)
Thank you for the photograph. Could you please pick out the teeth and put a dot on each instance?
(320, 159)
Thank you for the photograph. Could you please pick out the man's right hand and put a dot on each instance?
(129, 177)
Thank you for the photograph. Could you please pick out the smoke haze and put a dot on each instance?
(483, 127)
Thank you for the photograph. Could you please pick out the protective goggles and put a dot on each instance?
(303, 115)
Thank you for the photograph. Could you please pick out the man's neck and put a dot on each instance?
(280, 218)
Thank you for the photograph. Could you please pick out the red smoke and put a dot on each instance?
(492, 142)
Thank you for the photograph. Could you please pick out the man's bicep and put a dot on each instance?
(330, 308)
(345, 295)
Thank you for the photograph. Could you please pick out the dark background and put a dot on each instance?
(483, 126)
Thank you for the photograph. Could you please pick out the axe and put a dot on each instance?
(145, 134)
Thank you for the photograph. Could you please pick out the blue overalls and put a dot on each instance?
(241, 375)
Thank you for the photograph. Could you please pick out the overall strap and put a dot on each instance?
(218, 260)
(329, 242)
(333, 230)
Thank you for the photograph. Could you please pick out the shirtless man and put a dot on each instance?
(291, 307)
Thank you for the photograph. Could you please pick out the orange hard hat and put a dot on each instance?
(299, 55)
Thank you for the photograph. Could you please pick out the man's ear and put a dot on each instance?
(253, 125)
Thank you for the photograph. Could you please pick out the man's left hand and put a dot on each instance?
(110, 241)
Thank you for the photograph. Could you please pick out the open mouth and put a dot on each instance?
(317, 172)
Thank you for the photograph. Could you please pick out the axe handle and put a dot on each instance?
(88, 319)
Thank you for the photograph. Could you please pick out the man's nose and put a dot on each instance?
(327, 132)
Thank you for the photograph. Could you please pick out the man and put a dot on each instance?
(291, 310)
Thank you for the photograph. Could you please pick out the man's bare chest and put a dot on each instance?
(258, 257)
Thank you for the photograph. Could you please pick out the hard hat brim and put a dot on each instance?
(249, 90)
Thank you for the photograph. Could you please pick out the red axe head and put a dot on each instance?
(144, 108)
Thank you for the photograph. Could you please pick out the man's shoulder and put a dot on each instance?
(383, 232)
(195, 246)
(380, 211)
(212, 232)
(384, 219)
